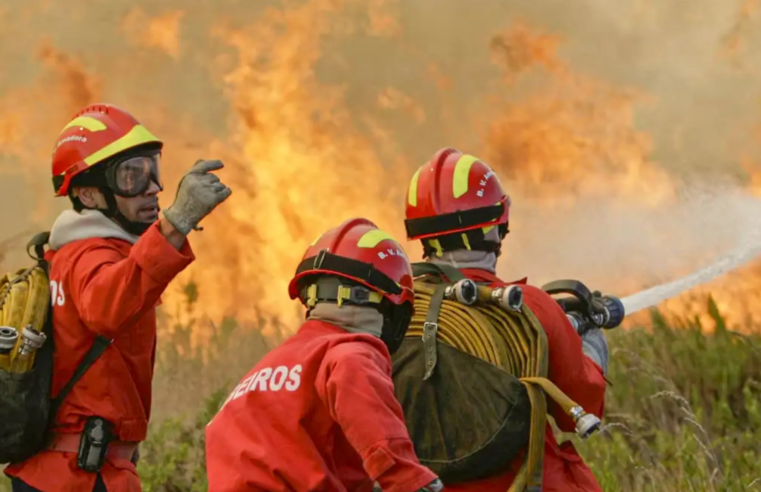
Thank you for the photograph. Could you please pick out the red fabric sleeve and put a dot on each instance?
(355, 384)
(570, 369)
(112, 292)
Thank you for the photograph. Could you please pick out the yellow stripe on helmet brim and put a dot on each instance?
(138, 135)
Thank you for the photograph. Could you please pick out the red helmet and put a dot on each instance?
(363, 254)
(95, 134)
(453, 201)
(359, 251)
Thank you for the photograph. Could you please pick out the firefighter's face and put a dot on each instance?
(140, 208)
(143, 207)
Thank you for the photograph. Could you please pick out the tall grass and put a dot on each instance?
(683, 410)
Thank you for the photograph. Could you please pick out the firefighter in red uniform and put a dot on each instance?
(318, 413)
(458, 209)
(111, 258)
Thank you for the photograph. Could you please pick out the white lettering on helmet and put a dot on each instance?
(71, 138)
(483, 183)
(267, 379)
(391, 252)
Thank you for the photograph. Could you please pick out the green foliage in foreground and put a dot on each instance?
(683, 410)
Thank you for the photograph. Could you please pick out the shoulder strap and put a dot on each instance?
(38, 242)
(448, 271)
(96, 350)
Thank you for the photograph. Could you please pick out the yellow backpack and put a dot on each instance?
(26, 358)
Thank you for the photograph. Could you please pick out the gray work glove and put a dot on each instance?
(198, 194)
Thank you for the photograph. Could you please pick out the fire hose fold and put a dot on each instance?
(24, 301)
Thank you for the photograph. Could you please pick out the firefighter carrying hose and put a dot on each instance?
(457, 208)
(318, 413)
(110, 258)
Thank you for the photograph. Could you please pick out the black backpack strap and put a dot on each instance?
(96, 350)
(38, 243)
(437, 269)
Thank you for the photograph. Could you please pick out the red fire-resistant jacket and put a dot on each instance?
(571, 371)
(316, 414)
(110, 287)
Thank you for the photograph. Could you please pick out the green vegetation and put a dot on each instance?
(683, 409)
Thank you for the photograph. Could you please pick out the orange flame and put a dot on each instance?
(302, 154)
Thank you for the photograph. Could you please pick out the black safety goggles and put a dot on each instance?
(132, 176)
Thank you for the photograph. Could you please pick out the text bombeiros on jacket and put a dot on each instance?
(268, 379)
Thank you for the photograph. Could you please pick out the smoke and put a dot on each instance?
(620, 248)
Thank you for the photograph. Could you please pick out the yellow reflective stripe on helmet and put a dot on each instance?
(412, 195)
(138, 135)
(373, 238)
(465, 241)
(461, 175)
(487, 229)
(86, 122)
(435, 244)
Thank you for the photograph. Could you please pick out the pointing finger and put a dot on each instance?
(204, 166)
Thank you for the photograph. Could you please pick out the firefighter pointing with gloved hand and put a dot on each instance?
(110, 258)
(318, 413)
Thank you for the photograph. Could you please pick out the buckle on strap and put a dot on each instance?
(356, 294)
(430, 329)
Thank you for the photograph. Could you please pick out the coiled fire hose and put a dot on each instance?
(503, 332)
(24, 302)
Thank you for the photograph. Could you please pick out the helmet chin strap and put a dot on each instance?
(113, 212)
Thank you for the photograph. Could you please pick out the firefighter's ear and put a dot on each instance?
(89, 196)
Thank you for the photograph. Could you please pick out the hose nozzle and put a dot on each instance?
(611, 311)
(586, 309)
